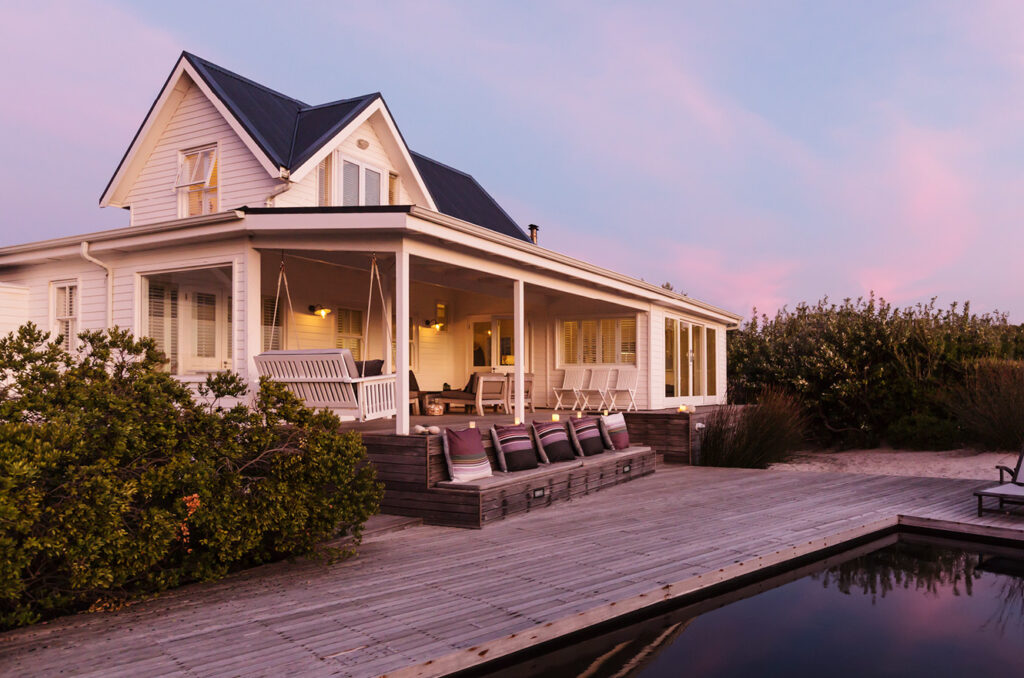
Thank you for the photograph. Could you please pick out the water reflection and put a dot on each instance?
(898, 607)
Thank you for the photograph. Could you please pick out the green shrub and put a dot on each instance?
(115, 482)
(924, 431)
(989, 405)
(863, 364)
(753, 436)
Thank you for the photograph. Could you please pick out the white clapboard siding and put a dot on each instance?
(13, 307)
(242, 180)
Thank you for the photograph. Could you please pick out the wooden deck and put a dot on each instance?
(428, 600)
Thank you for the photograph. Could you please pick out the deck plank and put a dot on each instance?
(445, 595)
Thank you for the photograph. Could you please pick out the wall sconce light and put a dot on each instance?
(435, 323)
(554, 417)
(319, 310)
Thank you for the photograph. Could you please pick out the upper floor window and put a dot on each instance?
(362, 184)
(197, 181)
(324, 172)
(65, 313)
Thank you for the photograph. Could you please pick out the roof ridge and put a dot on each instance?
(248, 81)
(340, 101)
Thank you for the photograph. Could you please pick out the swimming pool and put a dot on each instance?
(904, 605)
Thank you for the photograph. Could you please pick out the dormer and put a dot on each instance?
(215, 141)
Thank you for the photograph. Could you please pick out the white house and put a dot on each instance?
(228, 182)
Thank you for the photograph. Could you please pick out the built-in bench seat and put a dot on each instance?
(417, 482)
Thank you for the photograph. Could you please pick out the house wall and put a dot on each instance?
(13, 308)
(195, 122)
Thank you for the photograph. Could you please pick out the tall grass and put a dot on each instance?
(989, 406)
(753, 436)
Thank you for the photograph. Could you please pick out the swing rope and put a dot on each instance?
(282, 277)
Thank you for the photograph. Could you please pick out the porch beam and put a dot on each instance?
(519, 346)
(402, 342)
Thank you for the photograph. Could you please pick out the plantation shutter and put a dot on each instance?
(323, 182)
(711, 360)
(66, 314)
(231, 333)
(163, 322)
(273, 331)
(350, 331)
(588, 341)
(205, 316)
(627, 341)
(350, 184)
(609, 354)
(570, 342)
(372, 189)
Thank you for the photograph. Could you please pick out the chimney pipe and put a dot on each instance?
(533, 232)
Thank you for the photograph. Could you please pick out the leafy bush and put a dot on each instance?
(990, 404)
(863, 364)
(923, 431)
(753, 436)
(115, 482)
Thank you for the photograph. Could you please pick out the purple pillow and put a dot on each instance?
(553, 441)
(587, 436)
(514, 448)
(465, 454)
(613, 427)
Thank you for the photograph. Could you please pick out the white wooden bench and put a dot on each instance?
(327, 378)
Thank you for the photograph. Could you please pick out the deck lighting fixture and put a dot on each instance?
(472, 424)
(604, 412)
(554, 417)
(319, 310)
(579, 414)
(682, 408)
(515, 421)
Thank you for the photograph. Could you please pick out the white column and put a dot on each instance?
(519, 348)
(251, 316)
(402, 341)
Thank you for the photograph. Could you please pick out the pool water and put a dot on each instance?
(904, 606)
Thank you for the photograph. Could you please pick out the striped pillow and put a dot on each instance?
(465, 454)
(553, 441)
(514, 448)
(587, 436)
(613, 430)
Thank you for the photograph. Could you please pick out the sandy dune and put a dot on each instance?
(884, 461)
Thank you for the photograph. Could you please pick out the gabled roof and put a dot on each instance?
(290, 132)
(459, 195)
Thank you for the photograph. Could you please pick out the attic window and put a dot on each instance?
(362, 184)
(196, 182)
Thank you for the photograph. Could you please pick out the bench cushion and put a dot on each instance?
(457, 395)
(464, 452)
(553, 441)
(587, 436)
(500, 478)
(513, 446)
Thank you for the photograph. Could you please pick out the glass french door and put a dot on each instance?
(689, 359)
(493, 344)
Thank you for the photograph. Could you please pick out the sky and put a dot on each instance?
(753, 154)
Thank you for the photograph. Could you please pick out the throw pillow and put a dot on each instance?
(514, 448)
(587, 436)
(464, 452)
(553, 441)
(613, 430)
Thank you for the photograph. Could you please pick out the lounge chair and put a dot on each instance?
(600, 381)
(572, 382)
(1014, 473)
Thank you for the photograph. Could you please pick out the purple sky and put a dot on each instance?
(750, 153)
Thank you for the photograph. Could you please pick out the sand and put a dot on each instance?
(885, 461)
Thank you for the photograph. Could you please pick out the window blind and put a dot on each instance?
(350, 184)
(323, 182)
(372, 189)
(205, 316)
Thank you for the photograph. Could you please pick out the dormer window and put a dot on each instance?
(197, 181)
(361, 184)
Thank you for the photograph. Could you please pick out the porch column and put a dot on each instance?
(519, 349)
(402, 341)
(252, 317)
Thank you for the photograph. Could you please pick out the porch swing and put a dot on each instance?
(328, 377)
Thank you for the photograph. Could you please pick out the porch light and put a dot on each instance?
(515, 421)
(554, 417)
(579, 414)
(472, 424)
(682, 408)
(604, 412)
(319, 310)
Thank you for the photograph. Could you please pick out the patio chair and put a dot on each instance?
(572, 382)
(600, 381)
(527, 391)
(1014, 473)
(625, 384)
(485, 389)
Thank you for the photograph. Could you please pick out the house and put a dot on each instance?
(228, 183)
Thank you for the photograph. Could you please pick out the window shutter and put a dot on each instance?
(608, 347)
(627, 341)
(588, 341)
(350, 187)
(570, 342)
(323, 181)
(163, 322)
(350, 331)
(272, 326)
(372, 189)
(205, 316)
(392, 188)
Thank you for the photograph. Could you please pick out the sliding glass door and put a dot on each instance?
(690, 359)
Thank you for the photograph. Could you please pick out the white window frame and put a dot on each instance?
(495, 341)
(338, 180)
(182, 187)
(696, 364)
(578, 359)
(71, 339)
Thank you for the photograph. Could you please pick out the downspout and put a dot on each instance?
(286, 177)
(110, 281)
